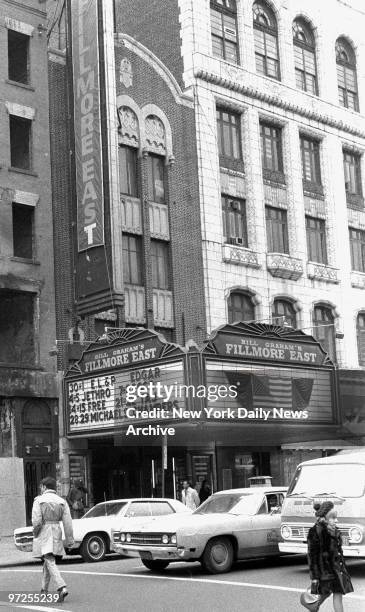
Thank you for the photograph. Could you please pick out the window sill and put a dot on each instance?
(17, 84)
(22, 171)
(275, 177)
(357, 279)
(313, 190)
(240, 256)
(231, 164)
(355, 201)
(282, 265)
(322, 272)
(32, 262)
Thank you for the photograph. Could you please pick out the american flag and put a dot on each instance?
(272, 392)
(302, 391)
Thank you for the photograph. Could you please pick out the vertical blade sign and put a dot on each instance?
(86, 81)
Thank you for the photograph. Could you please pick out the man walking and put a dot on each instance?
(48, 510)
(189, 496)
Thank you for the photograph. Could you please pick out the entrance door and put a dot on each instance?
(37, 449)
(202, 469)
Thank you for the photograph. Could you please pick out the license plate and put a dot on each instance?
(145, 554)
(345, 540)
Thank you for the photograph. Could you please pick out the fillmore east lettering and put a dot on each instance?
(271, 352)
(87, 124)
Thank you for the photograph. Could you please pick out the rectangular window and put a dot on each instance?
(20, 141)
(156, 178)
(132, 259)
(224, 35)
(23, 231)
(128, 175)
(234, 221)
(160, 264)
(347, 87)
(357, 247)
(271, 149)
(351, 165)
(276, 230)
(229, 135)
(17, 340)
(316, 239)
(266, 53)
(18, 57)
(305, 69)
(310, 160)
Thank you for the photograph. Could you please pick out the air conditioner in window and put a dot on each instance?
(230, 32)
(238, 241)
(235, 205)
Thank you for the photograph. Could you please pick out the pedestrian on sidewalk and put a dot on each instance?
(328, 572)
(189, 496)
(47, 512)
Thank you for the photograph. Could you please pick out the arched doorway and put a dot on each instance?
(38, 453)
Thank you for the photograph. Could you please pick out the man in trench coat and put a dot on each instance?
(48, 510)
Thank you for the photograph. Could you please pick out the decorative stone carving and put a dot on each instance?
(128, 127)
(155, 135)
(240, 256)
(125, 73)
(358, 280)
(283, 266)
(322, 272)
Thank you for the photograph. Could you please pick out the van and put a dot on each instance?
(340, 479)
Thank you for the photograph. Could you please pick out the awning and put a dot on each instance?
(322, 445)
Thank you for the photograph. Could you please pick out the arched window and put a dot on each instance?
(265, 31)
(240, 307)
(324, 329)
(283, 313)
(360, 333)
(346, 75)
(304, 57)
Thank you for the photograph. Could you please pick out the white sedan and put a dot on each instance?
(93, 532)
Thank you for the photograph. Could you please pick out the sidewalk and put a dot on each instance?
(10, 555)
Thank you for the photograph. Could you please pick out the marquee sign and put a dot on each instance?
(258, 342)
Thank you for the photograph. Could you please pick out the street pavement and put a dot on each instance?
(118, 584)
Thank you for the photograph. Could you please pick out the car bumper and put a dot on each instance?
(301, 548)
(165, 553)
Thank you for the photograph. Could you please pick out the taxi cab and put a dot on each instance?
(230, 525)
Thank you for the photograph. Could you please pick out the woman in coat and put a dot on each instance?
(47, 512)
(327, 567)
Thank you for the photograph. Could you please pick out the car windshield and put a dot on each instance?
(341, 479)
(233, 503)
(105, 509)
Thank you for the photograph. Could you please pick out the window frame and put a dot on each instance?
(275, 144)
(29, 123)
(266, 30)
(248, 306)
(128, 266)
(357, 249)
(347, 65)
(356, 157)
(235, 217)
(152, 177)
(277, 230)
(228, 12)
(290, 316)
(319, 322)
(314, 162)
(360, 329)
(305, 46)
(232, 126)
(26, 39)
(320, 234)
(30, 210)
(156, 259)
(129, 151)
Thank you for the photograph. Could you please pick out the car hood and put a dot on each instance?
(188, 524)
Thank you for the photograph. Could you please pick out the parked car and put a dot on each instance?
(229, 525)
(92, 532)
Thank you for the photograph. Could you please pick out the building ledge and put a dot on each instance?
(322, 272)
(358, 280)
(240, 256)
(284, 266)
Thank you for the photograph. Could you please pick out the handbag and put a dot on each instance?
(310, 600)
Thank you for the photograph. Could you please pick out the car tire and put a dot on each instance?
(218, 555)
(93, 548)
(155, 566)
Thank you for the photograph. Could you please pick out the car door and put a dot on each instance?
(265, 526)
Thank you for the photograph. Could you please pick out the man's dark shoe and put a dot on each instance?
(62, 593)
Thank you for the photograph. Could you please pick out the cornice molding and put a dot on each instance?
(278, 101)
